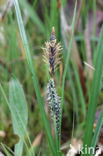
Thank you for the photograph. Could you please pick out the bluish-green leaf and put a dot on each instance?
(19, 112)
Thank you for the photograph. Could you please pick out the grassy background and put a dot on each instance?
(21, 39)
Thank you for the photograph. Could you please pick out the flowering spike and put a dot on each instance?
(54, 102)
(52, 53)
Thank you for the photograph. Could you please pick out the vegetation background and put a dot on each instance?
(24, 76)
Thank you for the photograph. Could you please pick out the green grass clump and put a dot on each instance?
(28, 86)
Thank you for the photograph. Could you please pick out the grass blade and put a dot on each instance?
(35, 82)
(33, 15)
(4, 148)
(67, 59)
(97, 130)
(19, 109)
(79, 87)
(15, 119)
(55, 18)
(94, 92)
(75, 100)
(53, 14)
(70, 77)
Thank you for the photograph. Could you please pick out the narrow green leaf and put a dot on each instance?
(97, 131)
(80, 91)
(94, 92)
(73, 90)
(35, 82)
(53, 12)
(19, 109)
(67, 59)
(75, 99)
(33, 15)
(63, 3)
(4, 148)
(55, 18)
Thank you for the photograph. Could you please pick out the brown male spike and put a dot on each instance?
(52, 53)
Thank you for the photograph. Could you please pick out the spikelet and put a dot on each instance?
(52, 53)
(54, 102)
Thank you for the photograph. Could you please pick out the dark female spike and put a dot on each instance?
(54, 102)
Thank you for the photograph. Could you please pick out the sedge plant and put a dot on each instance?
(52, 58)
